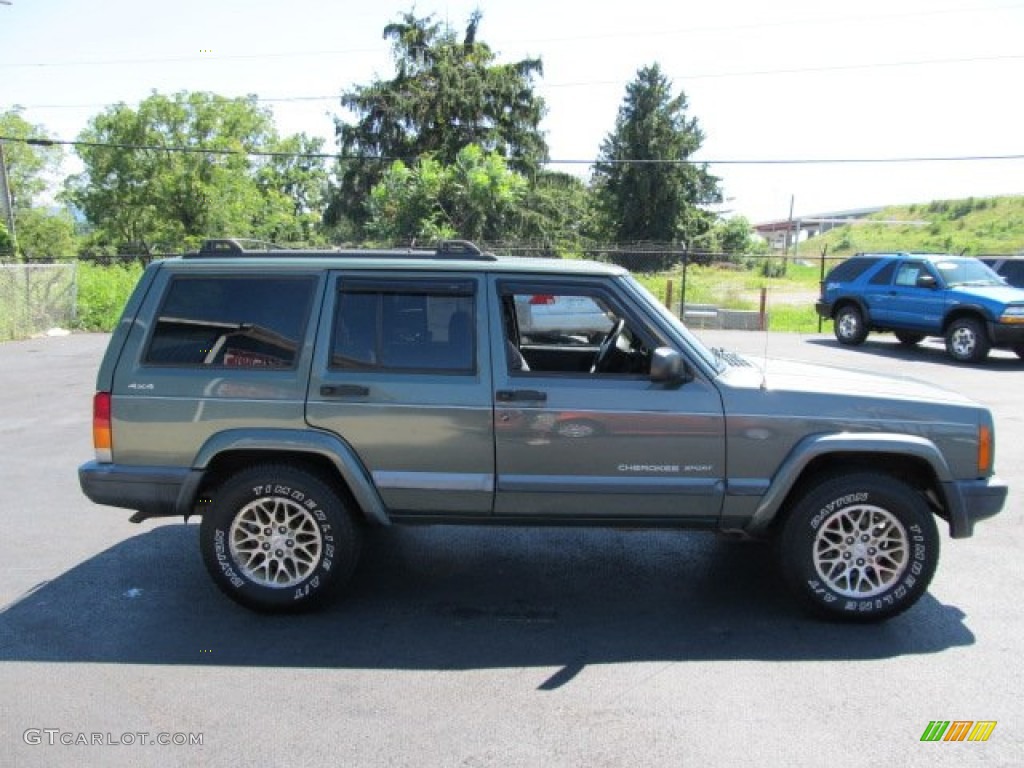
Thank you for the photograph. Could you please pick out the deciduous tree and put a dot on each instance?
(477, 197)
(41, 230)
(446, 94)
(182, 168)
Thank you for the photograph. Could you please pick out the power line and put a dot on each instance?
(47, 142)
(690, 77)
(618, 35)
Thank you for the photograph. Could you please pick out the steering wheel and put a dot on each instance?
(607, 345)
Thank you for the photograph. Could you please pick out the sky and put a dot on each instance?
(789, 80)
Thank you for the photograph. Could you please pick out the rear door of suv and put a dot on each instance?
(400, 374)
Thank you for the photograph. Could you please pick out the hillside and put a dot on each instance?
(976, 226)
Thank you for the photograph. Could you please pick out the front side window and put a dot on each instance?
(405, 328)
(231, 322)
(566, 330)
(908, 273)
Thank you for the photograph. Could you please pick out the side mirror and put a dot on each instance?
(926, 281)
(667, 366)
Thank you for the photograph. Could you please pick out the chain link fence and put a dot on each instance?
(35, 298)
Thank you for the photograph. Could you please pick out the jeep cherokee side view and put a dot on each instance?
(915, 295)
(292, 398)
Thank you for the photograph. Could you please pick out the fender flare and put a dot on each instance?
(857, 301)
(962, 310)
(876, 443)
(324, 444)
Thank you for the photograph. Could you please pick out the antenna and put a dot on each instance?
(764, 327)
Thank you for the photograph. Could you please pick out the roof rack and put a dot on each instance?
(446, 249)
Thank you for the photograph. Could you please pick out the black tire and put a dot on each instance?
(908, 338)
(849, 325)
(967, 340)
(310, 537)
(859, 547)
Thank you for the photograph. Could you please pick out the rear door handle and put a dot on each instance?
(344, 390)
(520, 395)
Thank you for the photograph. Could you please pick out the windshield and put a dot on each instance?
(692, 343)
(958, 271)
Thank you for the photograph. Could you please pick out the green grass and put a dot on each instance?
(976, 226)
(103, 292)
(791, 318)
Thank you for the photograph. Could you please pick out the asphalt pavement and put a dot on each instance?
(478, 646)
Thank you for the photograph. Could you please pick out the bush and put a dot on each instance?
(102, 293)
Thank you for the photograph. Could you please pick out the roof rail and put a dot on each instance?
(224, 246)
(446, 249)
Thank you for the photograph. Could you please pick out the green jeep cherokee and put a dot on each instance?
(291, 398)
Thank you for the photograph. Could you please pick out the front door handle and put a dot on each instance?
(344, 390)
(520, 395)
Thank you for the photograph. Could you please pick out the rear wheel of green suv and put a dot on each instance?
(277, 538)
(859, 547)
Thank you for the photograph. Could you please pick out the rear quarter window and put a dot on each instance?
(850, 269)
(231, 322)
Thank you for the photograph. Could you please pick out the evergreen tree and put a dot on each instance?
(647, 188)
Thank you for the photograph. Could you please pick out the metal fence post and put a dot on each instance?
(682, 286)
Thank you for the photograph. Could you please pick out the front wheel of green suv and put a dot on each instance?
(277, 538)
(859, 547)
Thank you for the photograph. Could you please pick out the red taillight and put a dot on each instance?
(542, 298)
(101, 430)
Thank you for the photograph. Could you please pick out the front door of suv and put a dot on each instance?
(581, 431)
(915, 302)
(398, 373)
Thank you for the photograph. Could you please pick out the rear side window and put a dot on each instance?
(884, 275)
(232, 322)
(416, 326)
(850, 269)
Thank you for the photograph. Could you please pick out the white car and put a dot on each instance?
(551, 317)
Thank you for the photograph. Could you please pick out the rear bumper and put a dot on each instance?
(150, 491)
(823, 308)
(971, 501)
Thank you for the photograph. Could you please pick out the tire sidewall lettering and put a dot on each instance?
(311, 583)
(817, 510)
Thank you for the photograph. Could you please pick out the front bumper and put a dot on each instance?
(1006, 334)
(151, 491)
(971, 501)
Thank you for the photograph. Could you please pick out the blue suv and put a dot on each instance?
(924, 294)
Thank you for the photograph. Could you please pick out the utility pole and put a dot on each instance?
(6, 206)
